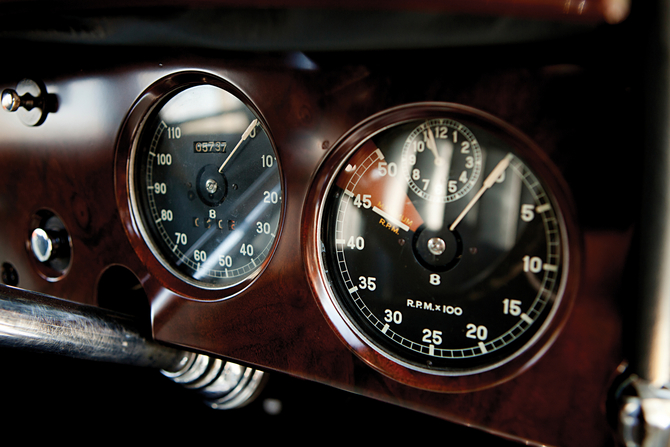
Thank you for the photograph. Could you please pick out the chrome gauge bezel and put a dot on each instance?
(359, 340)
(145, 108)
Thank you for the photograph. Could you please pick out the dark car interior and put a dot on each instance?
(220, 175)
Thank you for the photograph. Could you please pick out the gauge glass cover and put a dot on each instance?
(442, 247)
(210, 224)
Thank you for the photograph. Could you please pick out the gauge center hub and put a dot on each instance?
(211, 185)
(437, 250)
(436, 246)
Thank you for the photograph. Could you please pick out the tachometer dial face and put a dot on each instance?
(446, 281)
(207, 189)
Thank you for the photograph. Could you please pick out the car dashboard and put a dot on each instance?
(320, 92)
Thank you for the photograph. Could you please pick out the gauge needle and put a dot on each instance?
(245, 135)
(490, 180)
(433, 146)
(390, 218)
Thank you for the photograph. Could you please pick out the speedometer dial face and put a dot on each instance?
(207, 189)
(457, 269)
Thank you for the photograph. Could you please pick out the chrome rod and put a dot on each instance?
(41, 323)
(643, 398)
(650, 358)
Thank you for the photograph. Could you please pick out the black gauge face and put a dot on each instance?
(441, 160)
(443, 249)
(207, 189)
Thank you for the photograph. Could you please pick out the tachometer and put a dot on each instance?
(206, 187)
(442, 244)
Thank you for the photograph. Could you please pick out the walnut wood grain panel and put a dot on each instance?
(68, 165)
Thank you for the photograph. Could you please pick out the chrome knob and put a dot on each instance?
(30, 101)
(45, 244)
(11, 101)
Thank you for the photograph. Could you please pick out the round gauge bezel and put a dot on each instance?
(146, 106)
(362, 344)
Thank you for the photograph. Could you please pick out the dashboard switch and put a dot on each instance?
(44, 244)
(30, 100)
(49, 244)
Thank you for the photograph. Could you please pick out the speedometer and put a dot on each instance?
(442, 244)
(206, 188)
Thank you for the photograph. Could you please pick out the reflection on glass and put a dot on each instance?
(441, 245)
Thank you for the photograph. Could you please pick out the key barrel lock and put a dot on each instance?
(31, 102)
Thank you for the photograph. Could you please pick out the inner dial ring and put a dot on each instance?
(441, 160)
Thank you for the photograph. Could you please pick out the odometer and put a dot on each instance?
(206, 187)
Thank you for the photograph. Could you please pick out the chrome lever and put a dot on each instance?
(30, 100)
(41, 323)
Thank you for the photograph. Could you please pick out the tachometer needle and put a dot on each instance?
(245, 135)
(490, 180)
(390, 218)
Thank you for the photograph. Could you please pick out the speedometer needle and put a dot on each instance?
(490, 180)
(245, 135)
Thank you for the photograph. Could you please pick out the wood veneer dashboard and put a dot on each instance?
(571, 93)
